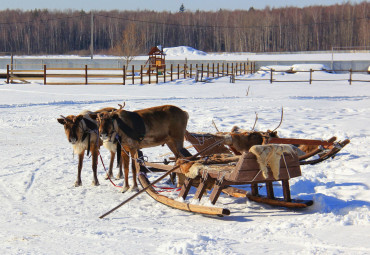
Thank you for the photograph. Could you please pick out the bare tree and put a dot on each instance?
(131, 44)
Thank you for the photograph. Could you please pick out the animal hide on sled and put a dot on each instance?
(269, 155)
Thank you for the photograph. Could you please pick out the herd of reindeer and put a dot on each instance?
(124, 132)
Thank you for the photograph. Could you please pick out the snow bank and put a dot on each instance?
(183, 51)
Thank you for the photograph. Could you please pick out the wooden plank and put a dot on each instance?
(185, 188)
(299, 141)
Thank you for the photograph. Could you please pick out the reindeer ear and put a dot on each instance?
(61, 121)
(94, 116)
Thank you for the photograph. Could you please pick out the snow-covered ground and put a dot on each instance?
(43, 213)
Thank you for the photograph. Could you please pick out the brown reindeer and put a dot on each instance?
(82, 132)
(145, 128)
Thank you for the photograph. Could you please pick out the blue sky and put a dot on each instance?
(158, 5)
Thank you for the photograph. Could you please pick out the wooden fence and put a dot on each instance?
(128, 75)
(310, 77)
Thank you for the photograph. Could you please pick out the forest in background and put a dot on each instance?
(268, 30)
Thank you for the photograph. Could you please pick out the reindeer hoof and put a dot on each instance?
(78, 183)
(95, 183)
(119, 177)
(124, 189)
(108, 176)
(134, 189)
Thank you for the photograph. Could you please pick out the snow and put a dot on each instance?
(43, 213)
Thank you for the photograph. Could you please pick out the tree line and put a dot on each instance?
(268, 30)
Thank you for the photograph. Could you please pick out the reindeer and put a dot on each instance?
(82, 132)
(145, 128)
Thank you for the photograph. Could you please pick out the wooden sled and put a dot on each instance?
(326, 148)
(222, 177)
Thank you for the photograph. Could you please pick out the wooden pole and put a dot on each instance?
(213, 69)
(190, 71)
(44, 74)
(201, 75)
(156, 74)
(207, 69)
(185, 70)
(350, 76)
(162, 177)
(7, 74)
(218, 69)
(171, 72)
(164, 73)
(310, 76)
(149, 72)
(133, 74)
(271, 71)
(92, 35)
(124, 74)
(227, 69)
(141, 74)
(85, 74)
(178, 71)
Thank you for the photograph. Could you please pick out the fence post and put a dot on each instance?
(185, 71)
(218, 69)
(213, 69)
(171, 72)
(164, 73)
(133, 74)
(149, 73)
(178, 71)
(271, 71)
(350, 76)
(44, 74)
(227, 69)
(85, 74)
(141, 74)
(156, 74)
(190, 71)
(310, 76)
(201, 75)
(124, 74)
(207, 69)
(7, 74)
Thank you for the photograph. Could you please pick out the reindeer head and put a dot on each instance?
(106, 124)
(72, 127)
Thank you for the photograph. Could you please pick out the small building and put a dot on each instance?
(156, 57)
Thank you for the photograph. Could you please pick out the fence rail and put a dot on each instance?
(310, 79)
(128, 75)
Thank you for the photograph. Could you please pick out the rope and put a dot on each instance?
(101, 159)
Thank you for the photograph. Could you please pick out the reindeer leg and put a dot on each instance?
(126, 169)
(94, 152)
(78, 182)
(110, 171)
(134, 155)
(125, 161)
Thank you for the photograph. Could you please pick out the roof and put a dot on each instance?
(155, 51)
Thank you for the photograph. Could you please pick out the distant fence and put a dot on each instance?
(127, 75)
(310, 79)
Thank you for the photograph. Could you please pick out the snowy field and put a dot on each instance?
(43, 213)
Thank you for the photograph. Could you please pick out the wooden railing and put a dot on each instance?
(128, 75)
(310, 77)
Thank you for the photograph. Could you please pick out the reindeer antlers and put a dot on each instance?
(255, 121)
(122, 106)
(281, 120)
